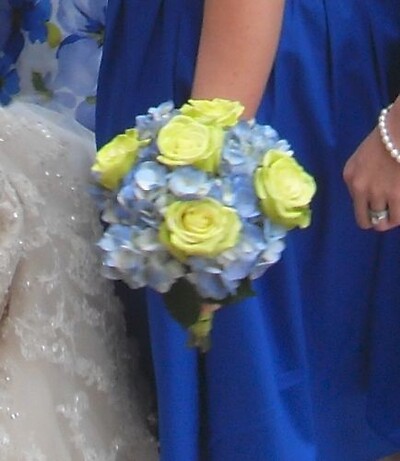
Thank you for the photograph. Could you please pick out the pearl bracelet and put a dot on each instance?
(384, 132)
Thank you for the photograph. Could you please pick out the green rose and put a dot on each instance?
(199, 228)
(184, 141)
(217, 112)
(285, 190)
(115, 159)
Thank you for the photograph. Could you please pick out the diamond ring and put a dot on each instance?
(377, 216)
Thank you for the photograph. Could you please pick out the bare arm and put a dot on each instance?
(237, 50)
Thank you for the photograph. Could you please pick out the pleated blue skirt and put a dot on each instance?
(309, 368)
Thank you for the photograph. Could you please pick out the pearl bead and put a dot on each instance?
(385, 136)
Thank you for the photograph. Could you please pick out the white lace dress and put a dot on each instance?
(66, 387)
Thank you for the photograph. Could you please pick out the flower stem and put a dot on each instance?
(200, 331)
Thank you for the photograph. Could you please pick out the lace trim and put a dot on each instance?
(4, 307)
(64, 334)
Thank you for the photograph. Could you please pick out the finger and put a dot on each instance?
(394, 212)
(379, 206)
(361, 212)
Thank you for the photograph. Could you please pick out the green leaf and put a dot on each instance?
(40, 86)
(199, 333)
(183, 303)
(202, 343)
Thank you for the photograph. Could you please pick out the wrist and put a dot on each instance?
(385, 126)
(393, 123)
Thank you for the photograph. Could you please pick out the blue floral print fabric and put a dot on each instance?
(50, 52)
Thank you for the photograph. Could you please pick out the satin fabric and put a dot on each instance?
(307, 370)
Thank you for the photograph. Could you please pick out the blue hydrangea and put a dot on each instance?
(143, 194)
(150, 176)
(150, 124)
(132, 248)
(238, 192)
(136, 256)
(211, 286)
(189, 183)
(245, 145)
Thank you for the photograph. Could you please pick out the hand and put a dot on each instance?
(373, 179)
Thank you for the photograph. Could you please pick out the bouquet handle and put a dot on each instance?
(199, 332)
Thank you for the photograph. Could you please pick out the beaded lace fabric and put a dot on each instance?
(66, 387)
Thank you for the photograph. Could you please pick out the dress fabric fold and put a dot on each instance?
(308, 369)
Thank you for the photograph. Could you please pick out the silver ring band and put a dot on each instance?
(377, 216)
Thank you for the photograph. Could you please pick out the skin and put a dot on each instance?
(236, 44)
(373, 177)
(236, 54)
(237, 49)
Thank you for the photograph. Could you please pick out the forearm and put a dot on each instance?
(237, 50)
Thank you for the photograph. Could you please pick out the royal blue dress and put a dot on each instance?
(309, 369)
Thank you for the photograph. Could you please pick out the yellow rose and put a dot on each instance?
(285, 190)
(216, 112)
(199, 228)
(184, 141)
(115, 159)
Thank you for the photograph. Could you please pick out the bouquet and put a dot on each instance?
(197, 203)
